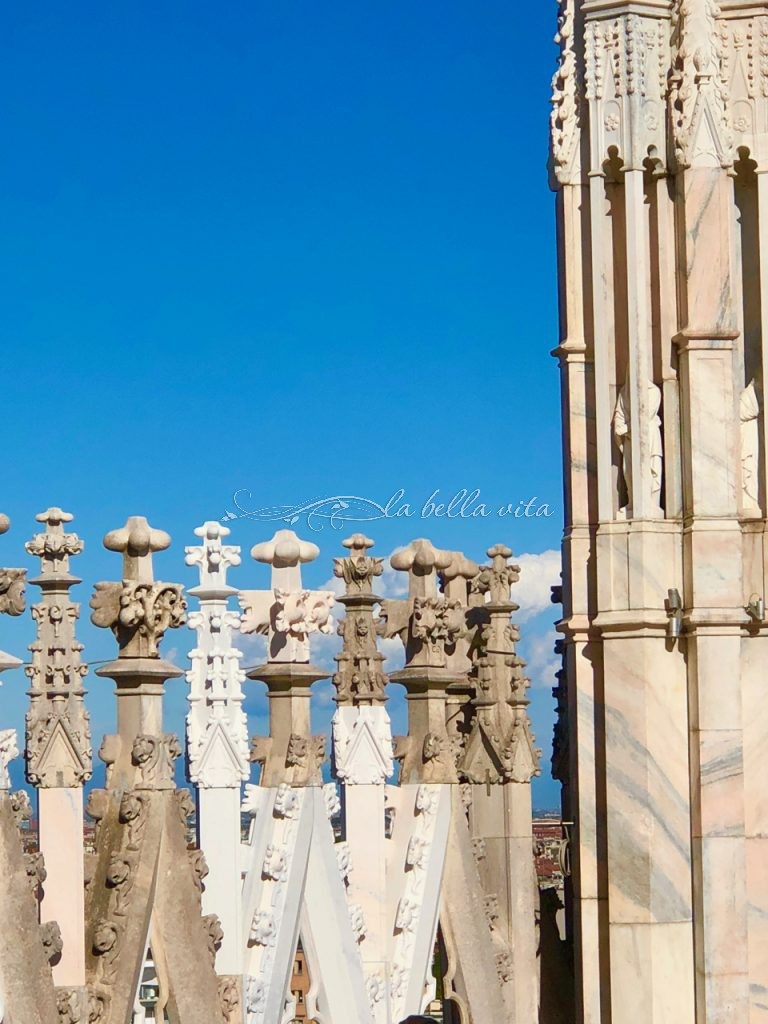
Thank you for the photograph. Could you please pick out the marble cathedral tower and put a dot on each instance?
(659, 161)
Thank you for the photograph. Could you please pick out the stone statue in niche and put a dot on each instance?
(622, 433)
(749, 414)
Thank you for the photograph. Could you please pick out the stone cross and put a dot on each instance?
(217, 735)
(288, 615)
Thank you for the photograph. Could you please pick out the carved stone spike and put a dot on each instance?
(50, 936)
(185, 803)
(199, 867)
(107, 939)
(8, 751)
(214, 934)
(98, 1003)
(229, 999)
(69, 1006)
(36, 873)
(21, 807)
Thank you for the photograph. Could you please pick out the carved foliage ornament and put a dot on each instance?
(138, 614)
(12, 591)
(564, 118)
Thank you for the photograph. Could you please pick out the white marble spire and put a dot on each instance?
(217, 734)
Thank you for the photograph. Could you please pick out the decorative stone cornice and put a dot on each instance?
(627, 57)
(58, 735)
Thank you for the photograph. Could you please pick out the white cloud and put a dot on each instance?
(538, 573)
(541, 661)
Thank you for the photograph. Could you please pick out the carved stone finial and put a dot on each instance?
(58, 748)
(138, 610)
(421, 560)
(213, 558)
(54, 547)
(426, 623)
(358, 570)
(285, 550)
(136, 541)
(287, 613)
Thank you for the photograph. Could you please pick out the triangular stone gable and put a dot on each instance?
(219, 762)
(481, 757)
(364, 751)
(60, 753)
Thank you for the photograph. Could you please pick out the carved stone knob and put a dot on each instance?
(136, 541)
(422, 557)
(54, 516)
(460, 565)
(499, 551)
(285, 550)
(358, 543)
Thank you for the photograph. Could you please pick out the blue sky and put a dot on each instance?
(307, 250)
